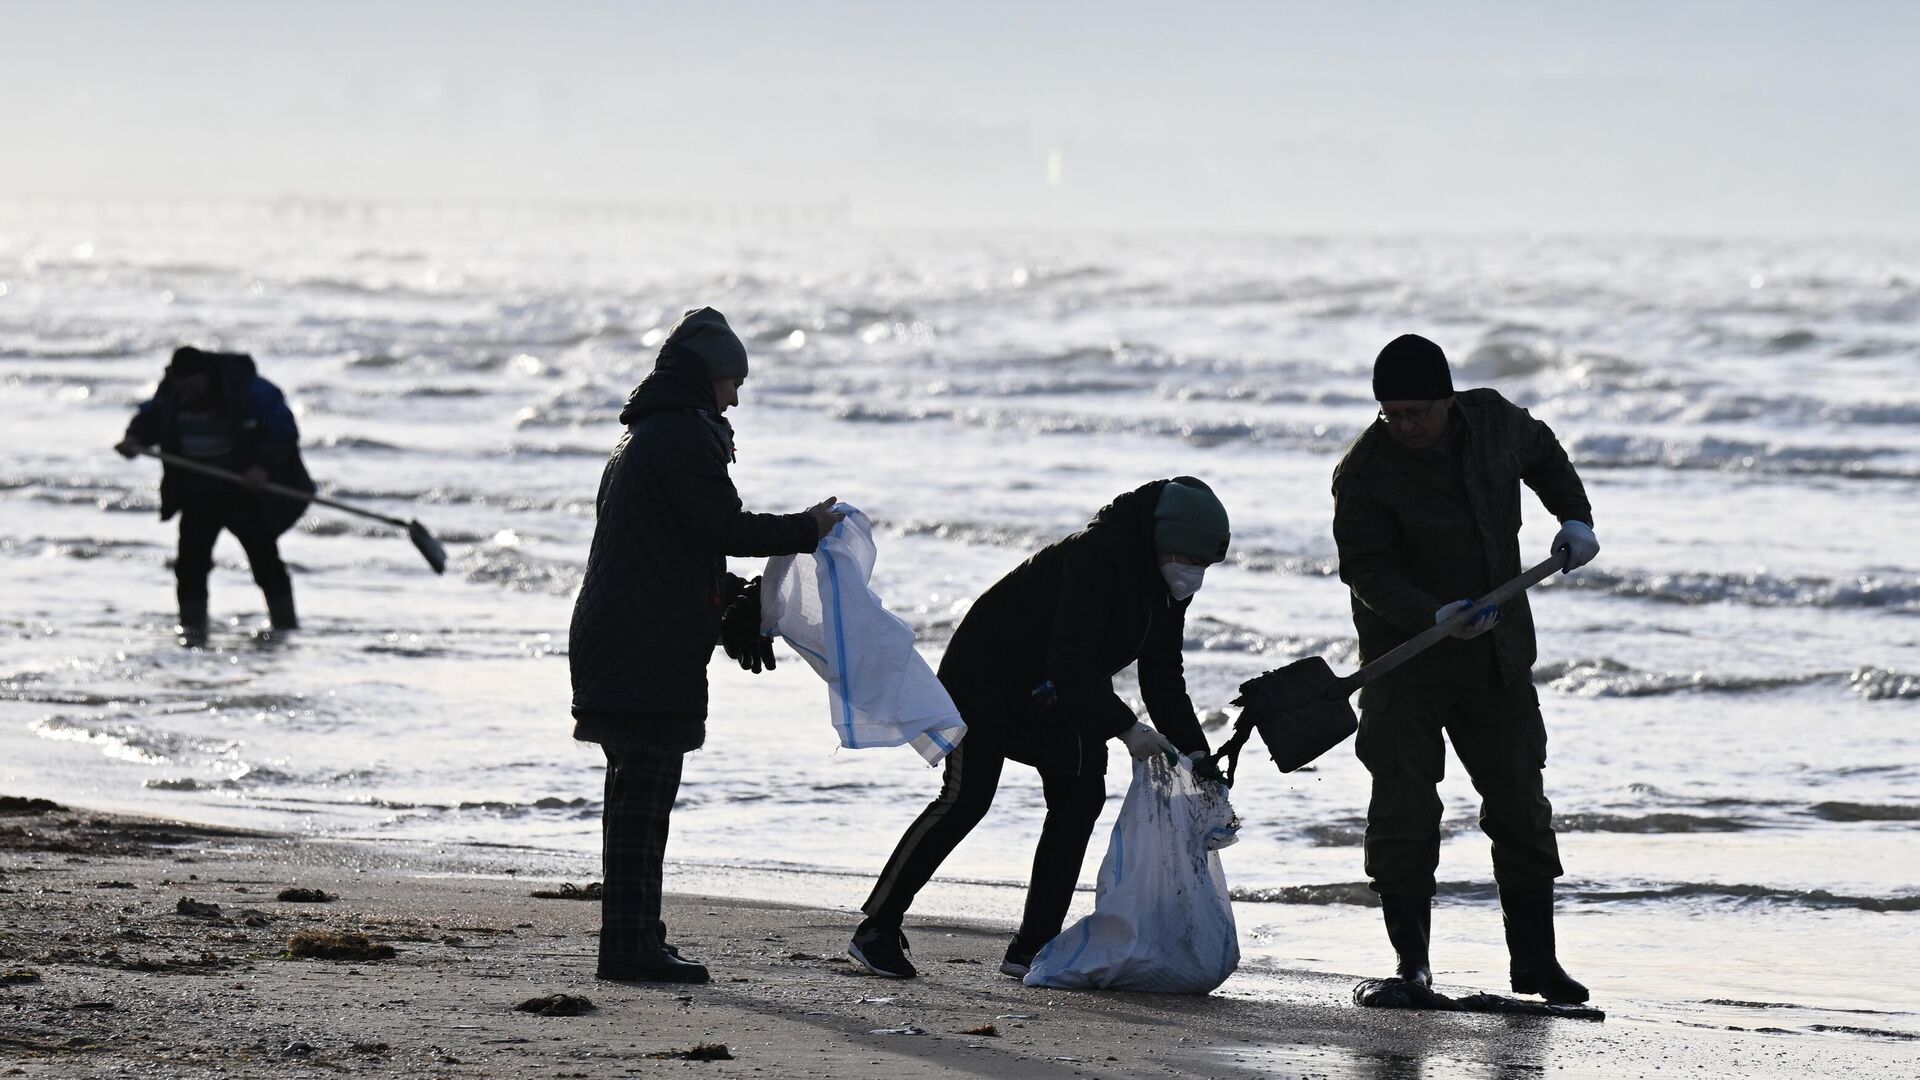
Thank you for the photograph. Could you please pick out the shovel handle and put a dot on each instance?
(1425, 639)
(191, 465)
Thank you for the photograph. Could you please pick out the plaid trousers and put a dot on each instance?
(641, 786)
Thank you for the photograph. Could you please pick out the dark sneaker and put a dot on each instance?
(1018, 961)
(883, 952)
(658, 966)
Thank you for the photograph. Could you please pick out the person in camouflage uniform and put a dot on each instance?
(1427, 516)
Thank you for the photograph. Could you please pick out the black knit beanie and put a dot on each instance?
(1411, 368)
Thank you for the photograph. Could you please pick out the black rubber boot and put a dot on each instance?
(280, 611)
(1410, 927)
(1528, 910)
(193, 616)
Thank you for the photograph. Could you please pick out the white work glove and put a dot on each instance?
(1576, 539)
(1144, 742)
(1483, 620)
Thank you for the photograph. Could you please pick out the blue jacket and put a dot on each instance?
(264, 434)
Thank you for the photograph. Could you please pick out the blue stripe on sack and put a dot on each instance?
(840, 647)
(1119, 855)
(940, 742)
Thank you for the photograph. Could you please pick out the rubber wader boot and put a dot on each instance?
(193, 616)
(1528, 910)
(280, 611)
(1409, 927)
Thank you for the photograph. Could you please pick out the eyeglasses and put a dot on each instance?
(1416, 415)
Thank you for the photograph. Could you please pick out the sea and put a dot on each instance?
(1732, 688)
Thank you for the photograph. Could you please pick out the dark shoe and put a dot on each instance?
(1410, 927)
(280, 612)
(1528, 911)
(658, 966)
(882, 951)
(1018, 961)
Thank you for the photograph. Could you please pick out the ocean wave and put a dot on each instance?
(1606, 677)
(375, 361)
(978, 533)
(581, 807)
(1358, 893)
(1745, 894)
(1737, 455)
(521, 572)
(1510, 356)
(1610, 678)
(314, 525)
(1896, 591)
(352, 442)
(579, 505)
(1850, 811)
(528, 450)
(1648, 823)
(446, 392)
(130, 742)
(1879, 684)
(1210, 431)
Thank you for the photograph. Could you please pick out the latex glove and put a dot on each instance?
(1576, 539)
(1483, 620)
(1144, 742)
(740, 631)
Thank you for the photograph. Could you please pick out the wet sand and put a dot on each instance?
(160, 948)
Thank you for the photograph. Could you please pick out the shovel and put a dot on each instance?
(430, 548)
(1301, 710)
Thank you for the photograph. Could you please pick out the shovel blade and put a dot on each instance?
(1300, 711)
(430, 548)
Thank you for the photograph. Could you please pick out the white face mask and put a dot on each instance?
(1183, 579)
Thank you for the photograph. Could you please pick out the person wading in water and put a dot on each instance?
(216, 409)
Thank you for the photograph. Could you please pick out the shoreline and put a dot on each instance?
(118, 970)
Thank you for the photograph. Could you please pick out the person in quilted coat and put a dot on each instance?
(649, 614)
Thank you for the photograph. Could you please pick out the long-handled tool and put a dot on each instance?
(1301, 710)
(436, 555)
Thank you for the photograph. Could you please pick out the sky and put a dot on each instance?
(1740, 118)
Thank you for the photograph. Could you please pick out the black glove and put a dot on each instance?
(740, 631)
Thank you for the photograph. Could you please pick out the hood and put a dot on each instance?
(700, 344)
(232, 374)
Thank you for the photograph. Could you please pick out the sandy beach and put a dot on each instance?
(161, 948)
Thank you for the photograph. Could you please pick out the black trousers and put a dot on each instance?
(242, 514)
(967, 789)
(1499, 736)
(641, 787)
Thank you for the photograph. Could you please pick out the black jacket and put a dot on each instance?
(1076, 614)
(648, 614)
(264, 433)
(1413, 539)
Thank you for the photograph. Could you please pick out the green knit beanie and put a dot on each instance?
(1189, 520)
